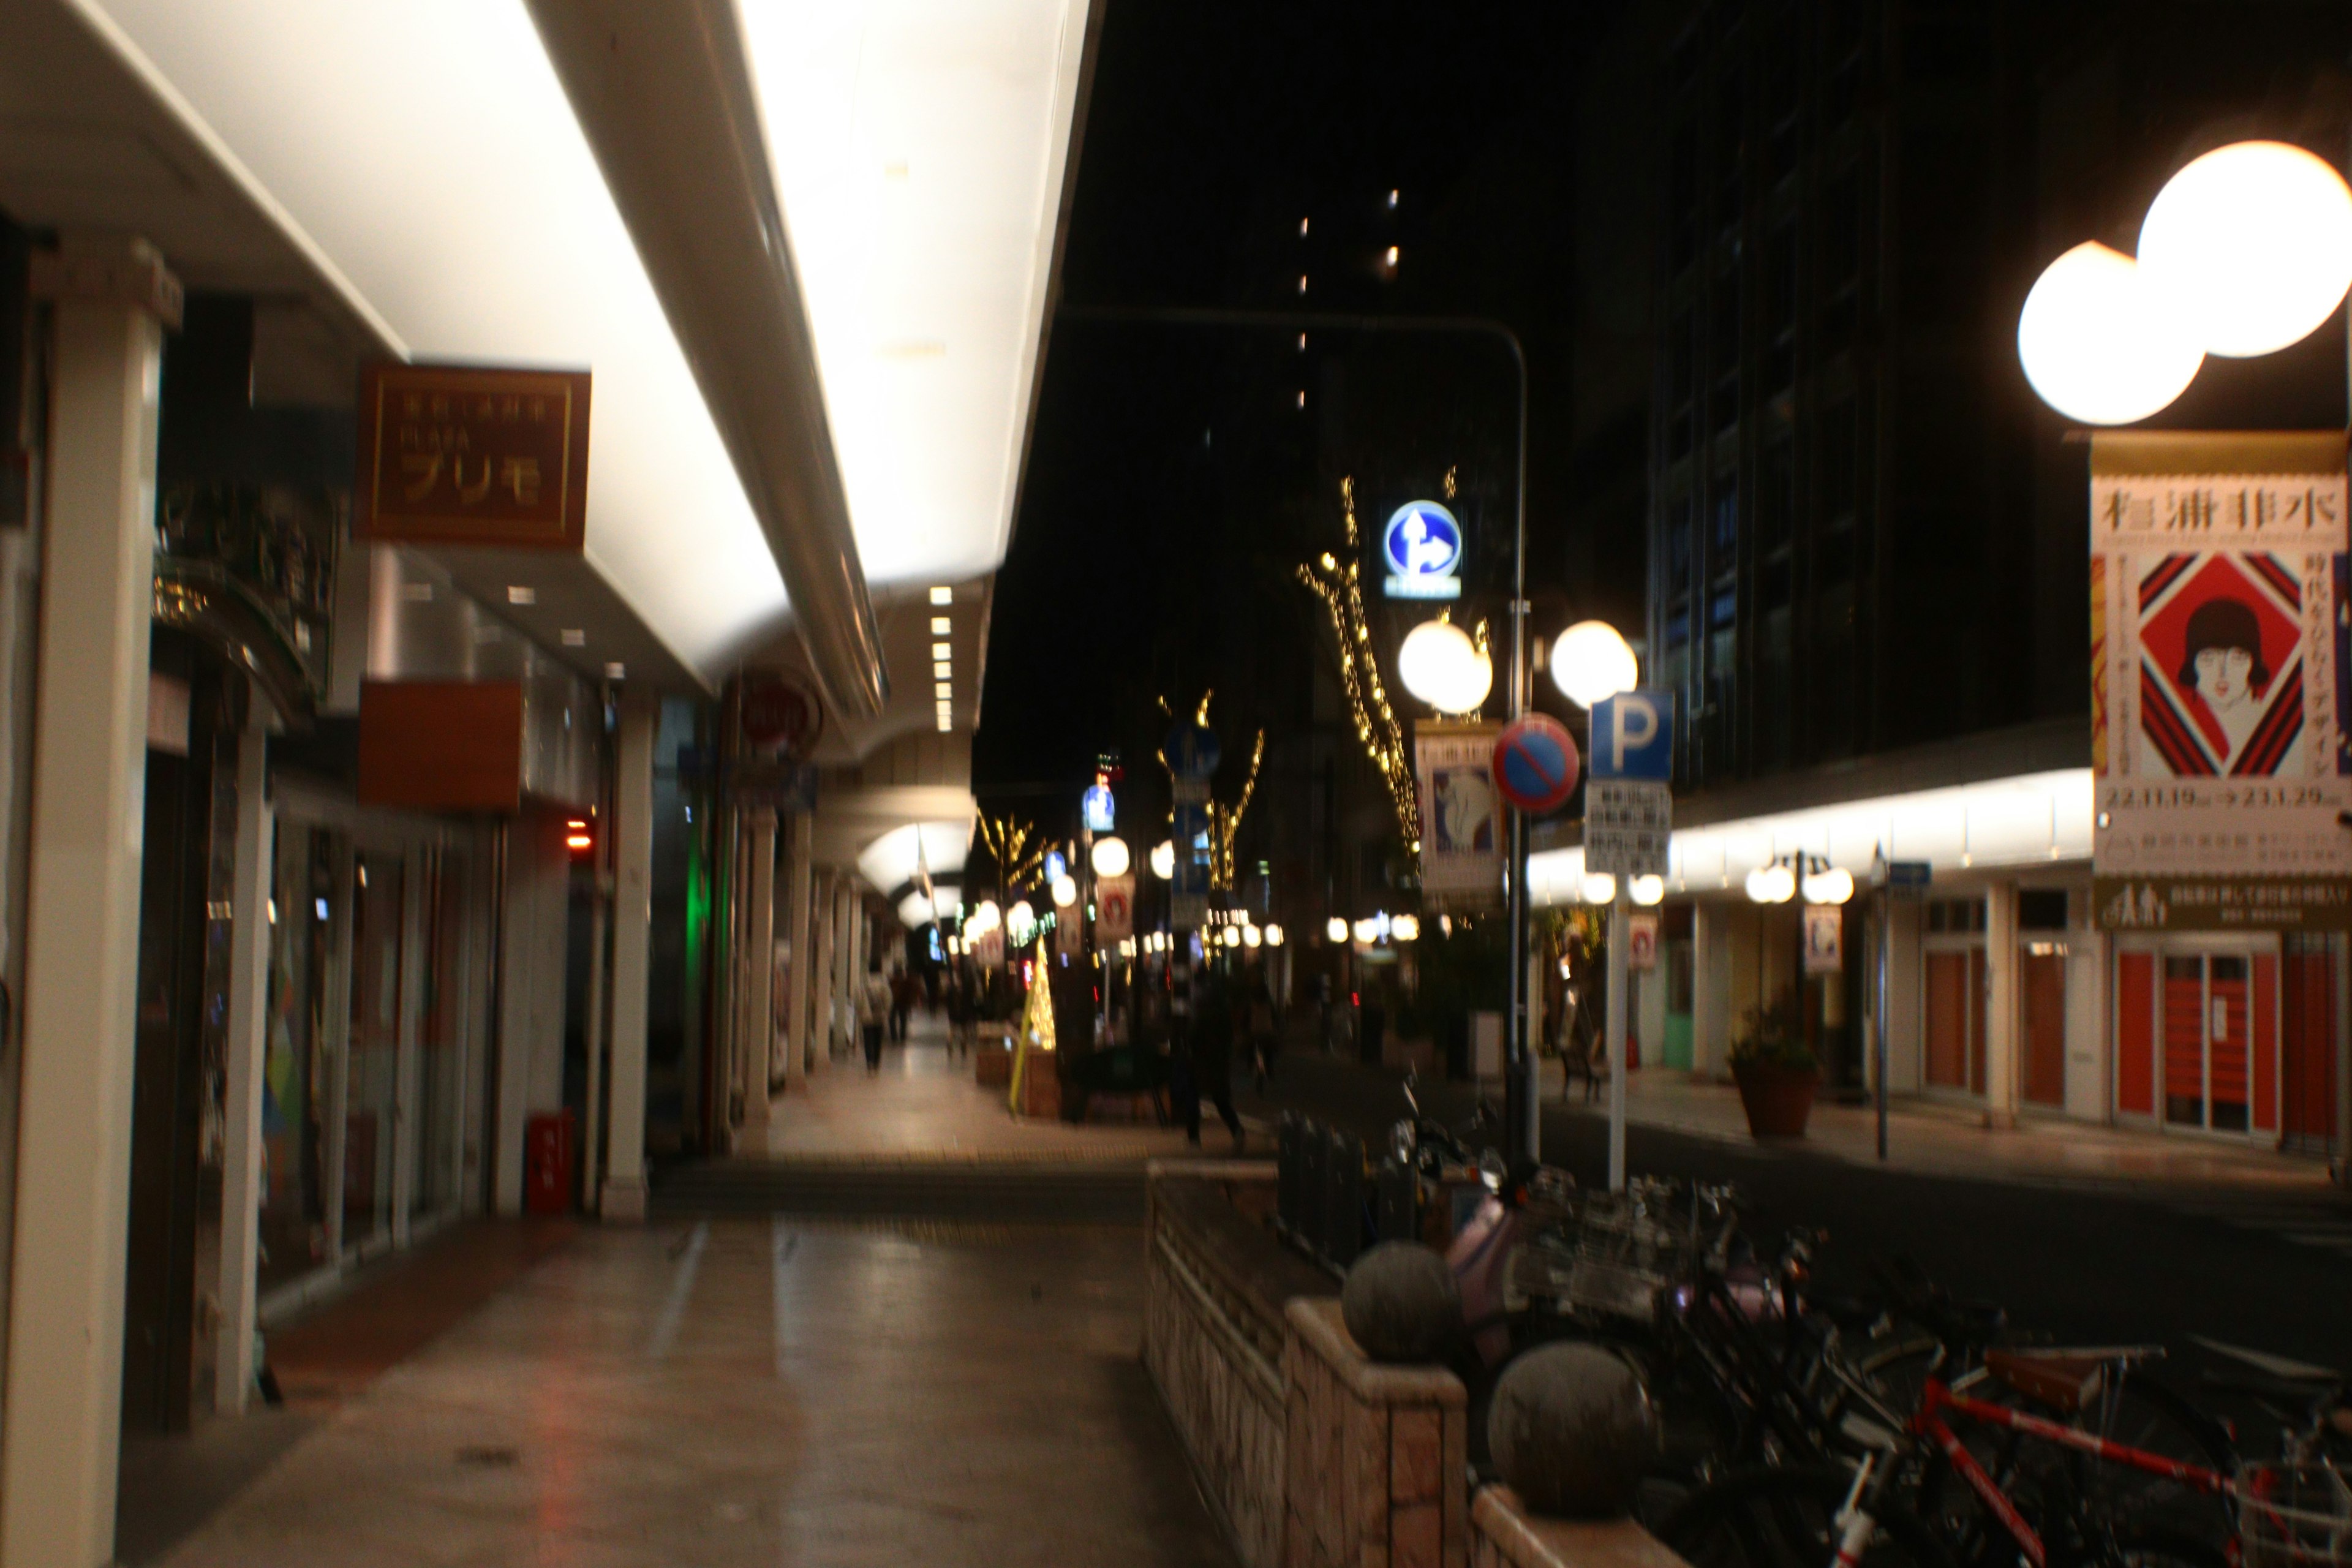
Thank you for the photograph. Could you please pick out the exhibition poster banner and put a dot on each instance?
(1461, 815)
(2219, 647)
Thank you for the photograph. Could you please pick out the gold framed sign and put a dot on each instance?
(471, 455)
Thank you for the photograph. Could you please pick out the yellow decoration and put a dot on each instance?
(1036, 1038)
(1376, 722)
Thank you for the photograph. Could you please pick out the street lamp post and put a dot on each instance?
(1522, 1134)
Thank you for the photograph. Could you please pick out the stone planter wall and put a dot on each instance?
(1377, 1458)
(1313, 1455)
(1213, 1336)
(1503, 1534)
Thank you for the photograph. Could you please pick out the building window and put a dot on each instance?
(1956, 917)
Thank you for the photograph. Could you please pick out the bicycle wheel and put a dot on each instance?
(1786, 1518)
(2096, 1509)
(2162, 1515)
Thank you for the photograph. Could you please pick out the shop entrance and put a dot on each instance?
(2042, 971)
(2197, 1037)
(1956, 1023)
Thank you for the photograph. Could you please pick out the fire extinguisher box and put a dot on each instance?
(547, 1155)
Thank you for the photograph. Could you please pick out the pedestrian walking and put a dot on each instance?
(1212, 1036)
(1265, 1035)
(902, 1003)
(873, 1016)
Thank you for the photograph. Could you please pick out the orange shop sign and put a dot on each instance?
(470, 454)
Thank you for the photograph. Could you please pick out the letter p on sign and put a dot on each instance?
(1633, 736)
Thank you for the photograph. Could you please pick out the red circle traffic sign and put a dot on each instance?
(1535, 765)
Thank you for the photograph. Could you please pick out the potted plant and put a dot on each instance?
(1775, 1070)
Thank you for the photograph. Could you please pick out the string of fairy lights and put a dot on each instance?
(1224, 821)
(1377, 729)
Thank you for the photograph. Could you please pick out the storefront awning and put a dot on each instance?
(2029, 820)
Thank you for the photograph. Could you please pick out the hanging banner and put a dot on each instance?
(1642, 940)
(1114, 910)
(1461, 815)
(2218, 682)
(1825, 939)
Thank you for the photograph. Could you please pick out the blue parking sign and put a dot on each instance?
(1633, 736)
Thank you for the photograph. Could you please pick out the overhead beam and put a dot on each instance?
(664, 97)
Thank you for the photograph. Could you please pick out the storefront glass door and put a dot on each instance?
(2207, 1049)
(298, 1071)
(441, 1066)
(371, 1099)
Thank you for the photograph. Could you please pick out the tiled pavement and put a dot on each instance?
(753, 1390)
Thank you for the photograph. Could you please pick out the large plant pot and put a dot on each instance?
(1778, 1100)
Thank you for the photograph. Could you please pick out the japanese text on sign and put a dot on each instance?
(454, 454)
(1628, 823)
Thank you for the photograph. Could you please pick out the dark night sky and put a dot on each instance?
(1173, 480)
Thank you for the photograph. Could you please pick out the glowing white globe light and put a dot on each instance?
(1647, 889)
(2251, 245)
(1233, 937)
(1591, 661)
(2099, 343)
(1021, 923)
(1439, 664)
(1834, 886)
(1771, 884)
(1066, 891)
(984, 919)
(1405, 928)
(1252, 936)
(1110, 858)
(1367, 931)
(1273, 936)
(1336, 929)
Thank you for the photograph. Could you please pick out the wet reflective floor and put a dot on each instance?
(756, 1391)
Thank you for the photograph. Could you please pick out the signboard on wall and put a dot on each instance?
(1461, 815)
(1825, 939)
(470, 454)
(2219, 645)
(1114, 907)
(1642, 940)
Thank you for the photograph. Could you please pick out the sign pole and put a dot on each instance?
(1618, 1014)
(1878, 1044)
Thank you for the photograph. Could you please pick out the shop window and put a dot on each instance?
(2041, 909)
(1954, 917)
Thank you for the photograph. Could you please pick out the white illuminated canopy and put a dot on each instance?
(424, 154)
(2029, 819)
(890, 861)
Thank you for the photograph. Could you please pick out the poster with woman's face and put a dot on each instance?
(2221, 688)
(2218, 642)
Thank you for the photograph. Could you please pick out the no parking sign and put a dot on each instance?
(1536, 764)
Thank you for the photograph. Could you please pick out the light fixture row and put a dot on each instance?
(942, 660)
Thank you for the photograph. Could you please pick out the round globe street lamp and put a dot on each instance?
(1828, 885)
(1599, 888)
(1021, 924)
(984, 919)
(1336, 929)
(1273, 935)
(1109, 857)
(1066, 891)
(1771, 884)
(2111, 339)
(1647, 891)
(2097, 341)
(2239, 295)
(1438, 663)
(1405, 928)
(1591, 662)
(1163, 860)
